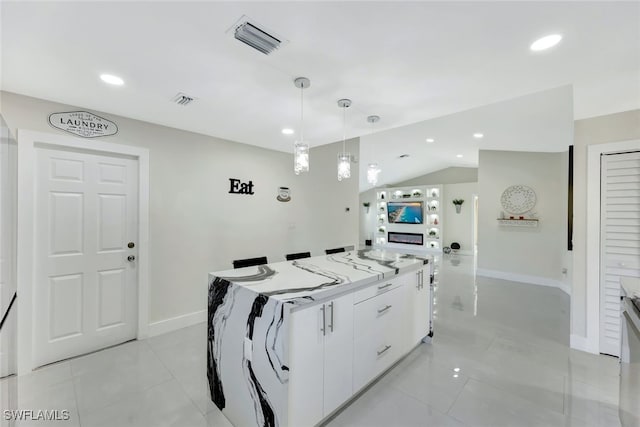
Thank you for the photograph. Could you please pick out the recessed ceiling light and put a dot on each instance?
(430, 140)
(545, 42)
(478, 135)
(403, 156)
(111, 79)
(459, 156)
(287, 131)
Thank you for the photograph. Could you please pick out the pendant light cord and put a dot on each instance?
(302, 112)
(344, 129)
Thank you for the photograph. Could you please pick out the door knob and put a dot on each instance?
(131, 258)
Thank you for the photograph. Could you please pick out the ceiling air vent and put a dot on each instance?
(183, 99)
(256, 37)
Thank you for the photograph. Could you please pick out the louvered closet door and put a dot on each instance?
(620, 240)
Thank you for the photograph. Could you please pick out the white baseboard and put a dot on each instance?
(578, 342)
(178, 322)
(466, 253)
(525, 278)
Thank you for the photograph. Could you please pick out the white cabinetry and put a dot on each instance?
(419, 303)
(336, 348)
(321, 360)
(379, 335)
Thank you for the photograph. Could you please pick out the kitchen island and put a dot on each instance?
(291, 342)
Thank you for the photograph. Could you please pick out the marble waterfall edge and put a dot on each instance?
(248, 325)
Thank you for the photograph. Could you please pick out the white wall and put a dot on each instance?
(533, 255)
(597, 130)
(458, 227)
(450, 175)
(7, 248)
(196, 226)
(367, 219)
(458, 183)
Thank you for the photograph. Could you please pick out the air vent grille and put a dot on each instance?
(257, 38)
(183, 99)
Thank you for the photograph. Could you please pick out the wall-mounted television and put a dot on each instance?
(405, 212)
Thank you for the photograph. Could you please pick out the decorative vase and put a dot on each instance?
(458, 207)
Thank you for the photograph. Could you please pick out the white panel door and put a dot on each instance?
(620, 240)
(85, 288)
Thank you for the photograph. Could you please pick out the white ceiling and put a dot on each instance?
(539, 122)
(405, 61)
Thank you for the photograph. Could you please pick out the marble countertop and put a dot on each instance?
(631, 286)
(309, 279)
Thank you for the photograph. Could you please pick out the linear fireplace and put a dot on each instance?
(406, 238)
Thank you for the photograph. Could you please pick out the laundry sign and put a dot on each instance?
(83, 123)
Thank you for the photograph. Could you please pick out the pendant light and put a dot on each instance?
(344, 158)
(373, 170)
(301, 148)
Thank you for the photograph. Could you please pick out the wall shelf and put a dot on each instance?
(527, 222)
(429, 196)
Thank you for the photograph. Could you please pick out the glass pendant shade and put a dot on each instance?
(372, 173)
(301, 148)
(344, 158)
(300, 157)
(344, 166)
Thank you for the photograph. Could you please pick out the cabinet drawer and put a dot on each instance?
(380, 314)
(373, 354)
(377, 289)
(379, 334)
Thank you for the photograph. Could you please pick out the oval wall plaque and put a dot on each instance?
(83, 123)
(518, 199)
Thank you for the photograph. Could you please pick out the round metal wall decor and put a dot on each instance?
(518, 199)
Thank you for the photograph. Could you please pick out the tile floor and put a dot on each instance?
(499, 358)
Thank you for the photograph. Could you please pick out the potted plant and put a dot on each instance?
(381, 230)
(432, 233)
(458, 204)
(366, 205)
(416, 193)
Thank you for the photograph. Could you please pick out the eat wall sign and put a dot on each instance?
(238, 187)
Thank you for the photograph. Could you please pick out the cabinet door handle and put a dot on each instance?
(384, 286)
(324, 321)
(331, 318)
(383, 309)
(381, 352)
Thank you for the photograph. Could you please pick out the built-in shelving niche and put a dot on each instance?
(431, 227)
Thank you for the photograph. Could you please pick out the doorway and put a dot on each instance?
(82, 247)
(620, 239)
(475, 225)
